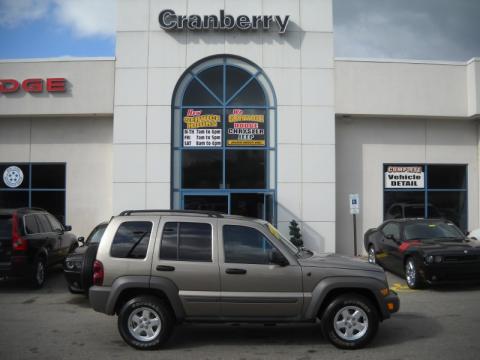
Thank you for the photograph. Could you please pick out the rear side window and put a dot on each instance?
(31, 226)
(186, 241)
(5, 227)
(131, 240)
(44, 225)
(54, 222)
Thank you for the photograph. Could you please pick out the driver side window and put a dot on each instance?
(392, 229)
(245, 245)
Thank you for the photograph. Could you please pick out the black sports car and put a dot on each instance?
(78, 265)
(425, 251)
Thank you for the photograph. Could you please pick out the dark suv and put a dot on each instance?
(31, 239)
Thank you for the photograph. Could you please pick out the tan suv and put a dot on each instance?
(158, 268)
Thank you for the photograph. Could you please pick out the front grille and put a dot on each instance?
(461, 258)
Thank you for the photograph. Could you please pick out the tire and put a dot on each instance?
(372, 255)
(39, 273)
(350, 321)
(135, 322)
(412, 275)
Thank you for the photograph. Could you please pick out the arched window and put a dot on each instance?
(224, 139)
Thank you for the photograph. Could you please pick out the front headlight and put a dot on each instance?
(429, 259)
(73, 264)
(438, 258)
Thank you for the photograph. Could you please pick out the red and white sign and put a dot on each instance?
(34, 85)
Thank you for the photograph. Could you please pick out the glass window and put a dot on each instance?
(392, 229)
(400, 204)
(245, 245)
(5, 227)
(96, 235)
(213, 78)
(252, 94)
(52, 201)
(447, 177)
(251, 205)
(450, 205)
(432, 230)
(169, 244)
(195, 242)
(206, 202)
(202, 169)
(43, 223)
(236, 77)
(13, 199)
(54, 222)
(245, 169)
(186, 241)
(31, 226)
(48, 176)
(196, 94)
(131, 240)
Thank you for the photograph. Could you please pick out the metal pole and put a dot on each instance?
(354, 235)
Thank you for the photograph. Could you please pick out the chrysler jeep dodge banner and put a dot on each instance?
(246, 127)
(202, 128)
(404, 177)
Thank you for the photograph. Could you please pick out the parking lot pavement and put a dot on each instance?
(440, 323)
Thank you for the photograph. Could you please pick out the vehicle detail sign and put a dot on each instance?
(246, 129)
(202, 128)
(404, 177)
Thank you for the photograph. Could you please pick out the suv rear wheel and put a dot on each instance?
(145, 322)
(39, 272)
(350, 321)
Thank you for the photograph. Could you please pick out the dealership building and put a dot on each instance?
(241, 107)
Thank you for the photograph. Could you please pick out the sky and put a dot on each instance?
(391, 29)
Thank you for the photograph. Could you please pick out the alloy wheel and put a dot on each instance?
(350, 323)
(410, 273)
(144, 324)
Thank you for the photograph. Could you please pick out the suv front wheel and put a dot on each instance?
(350, 321)
(145, 322)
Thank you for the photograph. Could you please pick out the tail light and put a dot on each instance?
(18, 243)
(98, 273)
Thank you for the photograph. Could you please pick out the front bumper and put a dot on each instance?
(392, 302)
(452, 272)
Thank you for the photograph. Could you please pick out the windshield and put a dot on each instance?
(432, 230)
(273, 230)
(96, 234)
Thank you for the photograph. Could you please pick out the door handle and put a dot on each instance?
(236, 271)
(165, 268)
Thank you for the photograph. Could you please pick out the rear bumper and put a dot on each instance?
(18, 266)
(98, 296)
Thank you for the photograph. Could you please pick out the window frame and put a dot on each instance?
(426, 191)
(270, 150)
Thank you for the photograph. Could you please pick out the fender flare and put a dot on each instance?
(164, 285)
(325, 286)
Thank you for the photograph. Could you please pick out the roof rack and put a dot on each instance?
(215, 214)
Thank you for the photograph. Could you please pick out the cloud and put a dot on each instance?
(426, 29)
(84, 18)
(16, 12)
(87, 17)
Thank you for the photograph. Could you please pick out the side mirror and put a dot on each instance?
(81, 240)
(67, 228)
(275, 257)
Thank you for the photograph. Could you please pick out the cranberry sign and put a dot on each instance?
(34, 85)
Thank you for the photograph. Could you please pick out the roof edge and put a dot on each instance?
(58, 59)
(408, 61)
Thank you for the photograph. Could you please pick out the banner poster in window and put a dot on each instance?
(246, 127)
(404, 177)
(202, 128)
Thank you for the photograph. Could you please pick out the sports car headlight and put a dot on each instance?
(73, 265)
(438, 258)
(429, 259)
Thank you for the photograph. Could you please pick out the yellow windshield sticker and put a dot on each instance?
(432, 225)
(274, 231)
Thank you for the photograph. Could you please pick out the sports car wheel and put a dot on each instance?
(372, 256)
(412, 275)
